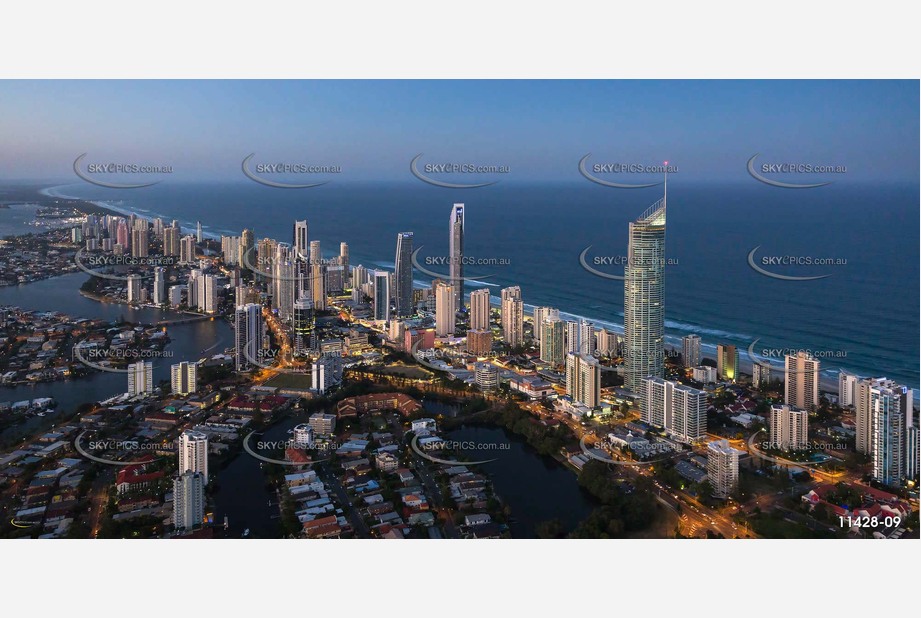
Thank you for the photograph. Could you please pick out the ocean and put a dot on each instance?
(863, 317)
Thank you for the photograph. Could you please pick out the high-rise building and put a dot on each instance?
(230, 250)
(301, 240)
(644, 298)
(171, 241)
(122, 236)
(761, 374)
(538, 321)
(198, 233)
(583, 379)
(512, 311)
(847, 389)
(722, 468)
(187, 250)
(479, 309)
(247, 246)
(479, 342)
(456, 255)
(862, 412)
(262, 263)
(608, 343)
(678, 408)
(318, 286)
(284, 281)
(135, 287)
(360, 276)
(885, 429)
(344, 263)
(727, 363)
(335, 281)
(188, 501)
(326, 372)
(315, 255)
(912, 450)
(573, 337)
(444, 309)
(206, 294)
(403, 275)
(381, 297)
(689, 414)
(704, 374)
(159, 285)
(801, 380)
(140, 378)
(184, 378)
(586, 337)
(418, 339)
(175, 295)
(690, 350)
(139, 243)
(192, 285)
(486, 376)
(193, 453)
(304, 324)
(248, 335)
(552, 340)
(789, 428)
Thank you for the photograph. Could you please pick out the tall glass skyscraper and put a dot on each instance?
(403, 277)
(456, 257)
(381, 299)
(304, 322)
(301, 240)
(644, 298)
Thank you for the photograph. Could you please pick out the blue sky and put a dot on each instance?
(539, 129)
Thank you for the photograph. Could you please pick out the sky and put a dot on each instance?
(539, 129)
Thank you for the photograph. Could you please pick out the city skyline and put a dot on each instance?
(309, 330)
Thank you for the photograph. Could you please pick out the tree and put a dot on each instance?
(550, 529)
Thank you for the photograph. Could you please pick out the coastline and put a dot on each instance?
(828, 381)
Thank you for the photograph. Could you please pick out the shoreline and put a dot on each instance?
(828, 379)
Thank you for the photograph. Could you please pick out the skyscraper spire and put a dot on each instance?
(665, 194)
